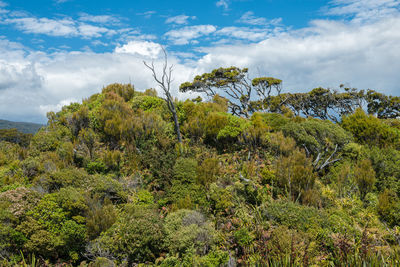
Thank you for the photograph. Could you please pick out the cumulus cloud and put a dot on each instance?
(61, 27)
(144, 48)
(325, 54)
(15, 74)
(36, 82)
(361, 51)
(180, 19)
(184, 35)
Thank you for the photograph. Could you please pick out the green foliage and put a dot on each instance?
(389, 207)
(233, 84)
(66, 177)
(382, 105)
(148, 103)
(14, 136)
(51, 232)
(49, 138)
(100, 217)
(136, 235)
(243, 237)
(294, 174)
(188, 229)
(371, 131)
(386, 164)
(364, 175)
(107, 183)
(317, 135)
(223, 129)
(96, 166)
(296, 216)
(208, 171)
(126, 91)
(185, 170)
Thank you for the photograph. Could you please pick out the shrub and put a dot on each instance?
(136, 235)
(186, 229)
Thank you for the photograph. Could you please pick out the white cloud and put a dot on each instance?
(184, 35)
(62, 27)
(147, 14)
(89, 31)
(244, 33)
(249, 18)
(222, 3)
(55, 107)
(16, 74)
(181, 19)
(359, 51)
(102, 19)
(34, 83)
(364, 10)
(325, 54)
(144, 48)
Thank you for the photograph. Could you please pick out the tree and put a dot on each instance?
(322, 139)
(320, 103)
(165, 84)
(244, 96)
(382, 105)
(364, 175)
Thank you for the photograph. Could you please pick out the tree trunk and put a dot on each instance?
(176, 122)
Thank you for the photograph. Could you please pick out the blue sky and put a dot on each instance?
(53, 52)
(50, 25)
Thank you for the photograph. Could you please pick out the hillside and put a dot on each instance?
(106, 183)
(24, 127)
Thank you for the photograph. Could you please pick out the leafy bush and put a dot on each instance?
(137, 235)
(186, 229)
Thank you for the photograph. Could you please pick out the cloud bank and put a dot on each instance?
(357, 49)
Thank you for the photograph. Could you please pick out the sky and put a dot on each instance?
(54, 52)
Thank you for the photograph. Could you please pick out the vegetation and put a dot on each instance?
(108, 183)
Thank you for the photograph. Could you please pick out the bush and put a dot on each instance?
(66, 177)
(186, 229)
(185, 170)
(371, 131)
(295, 216)
(137, 235)
(389, 207)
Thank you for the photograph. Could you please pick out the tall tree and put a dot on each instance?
(383, 106)
(245, 96)
(164, 82)
(322, 103)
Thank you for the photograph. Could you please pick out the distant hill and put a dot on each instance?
(24, 127)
